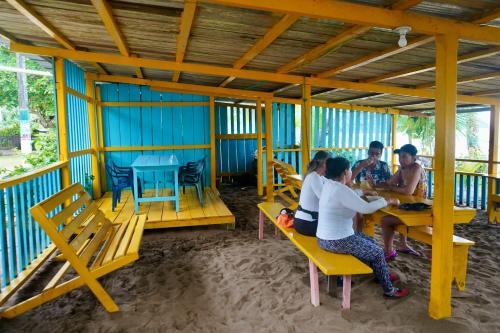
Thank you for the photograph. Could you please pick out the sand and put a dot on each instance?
(209, 279)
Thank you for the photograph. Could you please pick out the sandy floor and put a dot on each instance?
(213, 280)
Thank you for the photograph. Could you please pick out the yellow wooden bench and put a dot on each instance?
(329, 263)
(460, 250)
(289, 185)
(494, 208)
(88, 242)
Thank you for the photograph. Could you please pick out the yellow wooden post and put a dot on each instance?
(306, 126)
(213, 165)
(493, 157)
(394, 140)
(258, 110)
(96, 184)
(102, 162)
(62, 125)
(269, 151)
(442, 238)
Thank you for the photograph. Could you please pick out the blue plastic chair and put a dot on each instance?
(120, 179)
(192, 175)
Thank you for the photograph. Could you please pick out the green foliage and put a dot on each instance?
(424, 130)
(40, 89)
(11, 130)
(45, 150)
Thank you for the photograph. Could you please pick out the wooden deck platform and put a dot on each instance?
(163, 215)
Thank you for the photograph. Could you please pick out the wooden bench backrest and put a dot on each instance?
(284, 169)
(79, 229)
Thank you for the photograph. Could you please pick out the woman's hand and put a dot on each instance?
(393, 202)
(369, 192)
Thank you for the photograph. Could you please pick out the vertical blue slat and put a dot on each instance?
(476, 191)
(429, 184)
(31, 229)
(10, 235)
(484, 185)
(351, 137)
(331, 119)
(324, 112)
(468, 189)
(3, 241)
(344, 129)
(24, 224)
(461, 190)
(17, 225)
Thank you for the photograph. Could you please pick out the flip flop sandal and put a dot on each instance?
(410, 251)
(391, 256)
(397, 293)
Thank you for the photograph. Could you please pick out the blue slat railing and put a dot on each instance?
(21, 239)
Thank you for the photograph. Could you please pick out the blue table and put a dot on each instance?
(151, 163)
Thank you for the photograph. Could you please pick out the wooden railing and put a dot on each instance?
(21, 240)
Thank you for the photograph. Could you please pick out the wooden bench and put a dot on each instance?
(494, 208)
(460, 250)
(424, 234)
(329, 263)
(284, 170)
(88, 242)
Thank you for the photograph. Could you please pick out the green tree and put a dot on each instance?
(40, 89)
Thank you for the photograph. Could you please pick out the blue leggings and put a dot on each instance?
(365, 249)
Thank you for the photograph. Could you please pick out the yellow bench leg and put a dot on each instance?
(460, 253)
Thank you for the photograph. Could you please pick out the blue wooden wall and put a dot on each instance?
(78, 123)
(126, 126)
(235, 156)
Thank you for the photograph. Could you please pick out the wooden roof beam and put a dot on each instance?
(339, 40)
(270, 36)
(48, 28)
(488, 16)
(343, 37)
(106, 13)
(243, 73)
(184, 32)
(475, 78)
(372, 16)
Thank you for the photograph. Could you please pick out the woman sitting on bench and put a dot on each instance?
(337, 206)
(306, 217)
(410, 179)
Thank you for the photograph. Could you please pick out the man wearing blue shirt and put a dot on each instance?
(372, 169)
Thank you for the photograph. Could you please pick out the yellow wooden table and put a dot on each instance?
(417, 225)
(417, 218)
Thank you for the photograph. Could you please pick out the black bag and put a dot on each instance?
(417, 206)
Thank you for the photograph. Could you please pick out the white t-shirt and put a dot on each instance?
(337, 206)
(309, 195)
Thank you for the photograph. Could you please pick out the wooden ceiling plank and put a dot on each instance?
(269, 37)
(187, 19)
(376, 56)
(373, 16)
(322, 49)
(342, 38)
(48, 28)
(488, 17)
(471, 56)
(474, 78)
(41, 22)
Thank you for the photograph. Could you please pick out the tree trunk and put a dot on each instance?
(22, 97)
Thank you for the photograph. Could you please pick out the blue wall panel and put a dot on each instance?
(154, 126)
